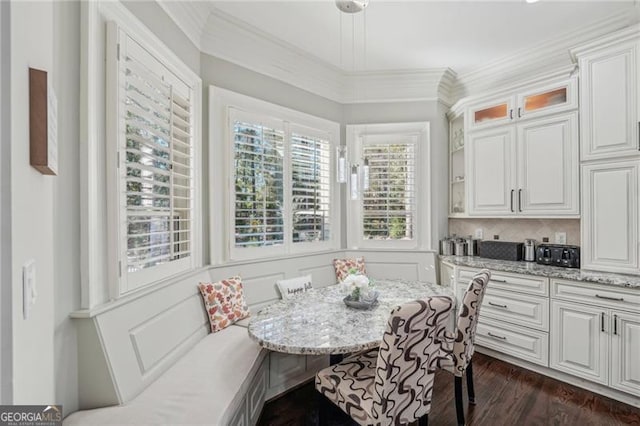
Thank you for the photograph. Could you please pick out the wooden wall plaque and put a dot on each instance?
(43, 128)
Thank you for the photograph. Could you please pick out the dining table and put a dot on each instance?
(318, 322)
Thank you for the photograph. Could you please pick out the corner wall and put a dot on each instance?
(32, 210)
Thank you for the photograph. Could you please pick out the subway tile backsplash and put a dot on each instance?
(518, 229)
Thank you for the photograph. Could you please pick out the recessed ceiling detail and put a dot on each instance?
(311, 44)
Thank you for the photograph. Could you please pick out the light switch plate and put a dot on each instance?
(561, 238)
(479, 233)
(28, 287)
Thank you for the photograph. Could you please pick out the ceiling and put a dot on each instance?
(402, 35)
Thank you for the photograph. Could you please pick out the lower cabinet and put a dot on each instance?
(514, 317)
(587, 330)
(595, 334)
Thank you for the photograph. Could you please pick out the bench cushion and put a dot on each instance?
(206, 386)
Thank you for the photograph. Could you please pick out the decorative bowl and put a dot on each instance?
(367, 302)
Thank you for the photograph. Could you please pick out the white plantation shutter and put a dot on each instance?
(258, 205)
(156, 168)
(310, 187)
(389, 206)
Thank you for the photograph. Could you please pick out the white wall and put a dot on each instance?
(6, 387)
(32, 211)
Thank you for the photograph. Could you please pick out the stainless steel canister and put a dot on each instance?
(472, 246)
(446, 246)
(460, 247)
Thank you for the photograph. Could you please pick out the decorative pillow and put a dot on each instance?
(224, 302)
(343, 266)
(294, 286)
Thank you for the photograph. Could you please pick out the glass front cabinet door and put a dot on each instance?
(491, 113)
(550, 99)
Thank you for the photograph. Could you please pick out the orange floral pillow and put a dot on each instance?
(224, 302)
(343, 266)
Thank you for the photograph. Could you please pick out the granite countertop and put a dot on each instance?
(532, 268)
(318, 322)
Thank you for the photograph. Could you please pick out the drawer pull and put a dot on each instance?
(615, 325)
(498, 281)
(617, 299)
(602, 322)
(498, 305)
(496, 336)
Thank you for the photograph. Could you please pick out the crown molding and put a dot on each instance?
(190, 16)
(224, 36)
(527, 63)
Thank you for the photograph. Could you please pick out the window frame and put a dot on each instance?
(121, 282)
(223, 103)
(416, 134)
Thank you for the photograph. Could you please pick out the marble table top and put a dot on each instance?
(532, 268)
(318, 322)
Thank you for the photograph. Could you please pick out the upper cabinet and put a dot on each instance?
(609, 100)
(526, 169)
(536, 101)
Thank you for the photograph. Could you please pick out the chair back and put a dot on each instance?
(407, 359)
(469, 310)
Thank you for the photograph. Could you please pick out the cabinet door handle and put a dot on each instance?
(510, 114)
(498, 305)
(638, 135)
(496, 336)
(615, 325)
(520, 200)
(617, 299)
(498, 281)
(512, 191)
(519, 112)
(602, 322)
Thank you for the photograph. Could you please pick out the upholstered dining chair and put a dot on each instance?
(458, 348)
(392, 385)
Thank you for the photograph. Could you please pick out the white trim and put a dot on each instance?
(222, 103)
(98, 268)
(419, 134)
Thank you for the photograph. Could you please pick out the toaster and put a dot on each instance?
(558, 255)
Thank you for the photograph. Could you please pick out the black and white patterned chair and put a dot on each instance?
(458, 348)
(392, 385)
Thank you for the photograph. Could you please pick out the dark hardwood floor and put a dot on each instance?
(505, 395)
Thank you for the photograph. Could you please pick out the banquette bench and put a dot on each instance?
(148, 358)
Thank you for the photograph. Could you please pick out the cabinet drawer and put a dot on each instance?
(512, 282)
(595, 294)
(520, 342)
(528, 311)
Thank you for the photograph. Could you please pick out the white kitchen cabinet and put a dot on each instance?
(610, 115)
(526, 169)
(514, 317)
(579, 340)
(492, 112)
(625, 352)
(610, 217)
(595, 333)
(548, 178)
(492, 178)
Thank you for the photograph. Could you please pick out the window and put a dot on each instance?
(310, 188)
(389, 204)
(389, 213)
(282, 199)
(155, 191)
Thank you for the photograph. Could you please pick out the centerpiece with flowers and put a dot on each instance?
(361, 295)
